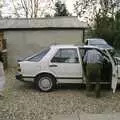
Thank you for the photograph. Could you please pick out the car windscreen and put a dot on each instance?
(37, 57)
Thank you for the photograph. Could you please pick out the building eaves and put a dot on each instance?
(44, 23)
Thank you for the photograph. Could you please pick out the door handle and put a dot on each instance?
(52, 65)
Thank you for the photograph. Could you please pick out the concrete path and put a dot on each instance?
(85, 116)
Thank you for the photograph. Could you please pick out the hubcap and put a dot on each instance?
(45, 83)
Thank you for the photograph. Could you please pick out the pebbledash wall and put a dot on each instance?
(27, 36)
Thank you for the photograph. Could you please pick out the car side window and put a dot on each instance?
(38, 56)
(66, 56)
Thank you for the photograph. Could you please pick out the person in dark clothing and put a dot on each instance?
(93, 60)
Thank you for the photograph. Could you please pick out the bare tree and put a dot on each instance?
(108, 6)
(30, 8)
(1, 6)
(91, 7)
(81, 7)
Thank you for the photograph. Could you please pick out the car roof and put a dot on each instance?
(63, 46)
(74, 46)
(89, 46)
(95, 39)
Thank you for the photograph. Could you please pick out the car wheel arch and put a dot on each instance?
(45, 73)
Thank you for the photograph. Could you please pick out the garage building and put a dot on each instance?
(27, 36)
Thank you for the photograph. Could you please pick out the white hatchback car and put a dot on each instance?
(63, 64)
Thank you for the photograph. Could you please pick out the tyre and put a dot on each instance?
(45, 82)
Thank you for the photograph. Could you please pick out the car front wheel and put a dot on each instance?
(45, 82)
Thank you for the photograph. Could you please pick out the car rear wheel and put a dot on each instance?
(45, 82)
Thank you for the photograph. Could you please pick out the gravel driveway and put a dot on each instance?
(23, 102)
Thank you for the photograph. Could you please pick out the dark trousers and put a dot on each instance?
(93, 74)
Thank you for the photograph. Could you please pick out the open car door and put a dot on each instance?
(114, 72)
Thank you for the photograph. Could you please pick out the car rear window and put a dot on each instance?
(37, 57)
